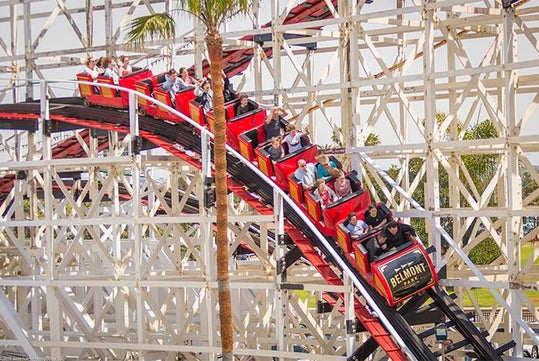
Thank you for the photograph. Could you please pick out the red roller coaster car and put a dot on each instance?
(397, 275)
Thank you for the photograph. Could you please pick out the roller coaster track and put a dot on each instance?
(305, 242)
(236, 61)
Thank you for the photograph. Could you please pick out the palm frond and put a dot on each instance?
(148, 28)
(213, 13)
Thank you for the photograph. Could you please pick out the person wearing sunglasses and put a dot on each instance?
(305, 174)
(91, 68)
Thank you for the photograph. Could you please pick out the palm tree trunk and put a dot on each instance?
(214, 44)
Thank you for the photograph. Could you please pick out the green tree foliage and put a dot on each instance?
(529, 185)
(481, 168)
(150, 28)
(373, 139)
(337, 139)
(485, 252)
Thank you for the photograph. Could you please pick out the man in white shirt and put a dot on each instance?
(306, 174)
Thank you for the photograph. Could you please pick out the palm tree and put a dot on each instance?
(213, 14)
